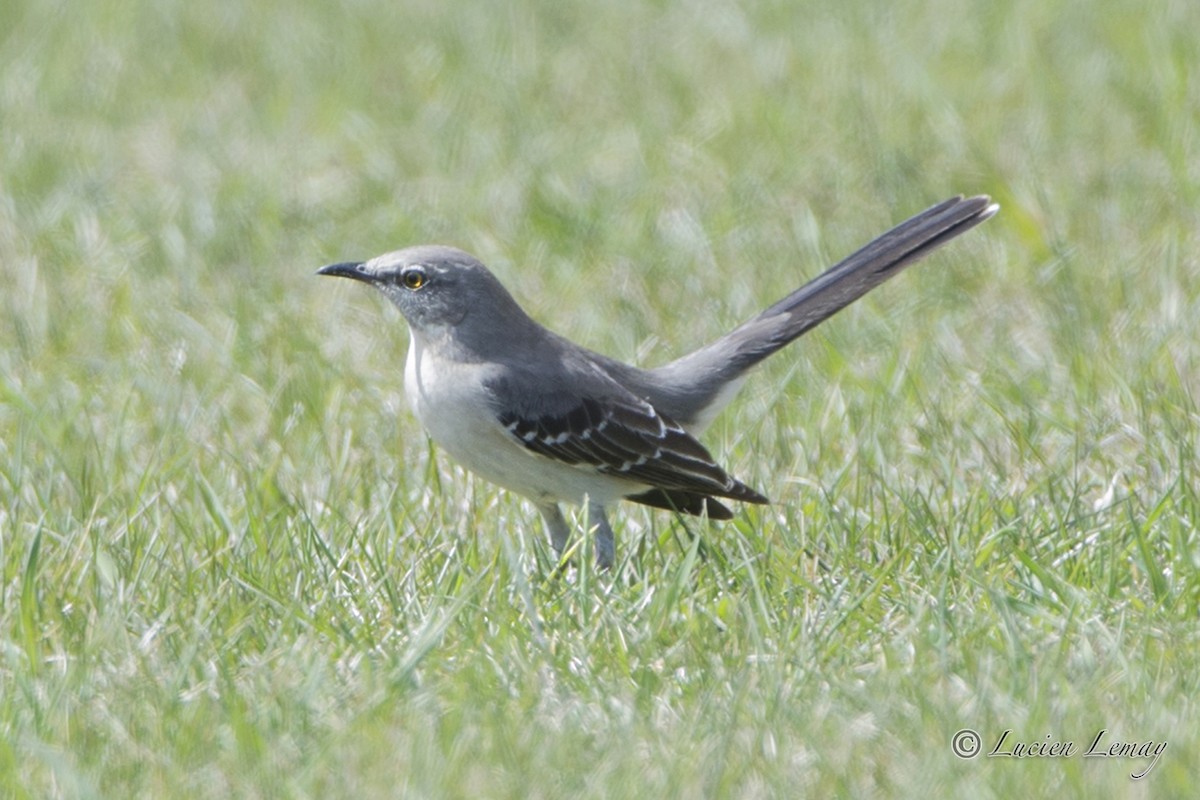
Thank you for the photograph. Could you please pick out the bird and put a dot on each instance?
(557, 423)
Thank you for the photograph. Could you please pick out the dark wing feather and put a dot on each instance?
(683, 502)
(627, 437)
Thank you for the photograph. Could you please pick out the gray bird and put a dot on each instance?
(558, 423)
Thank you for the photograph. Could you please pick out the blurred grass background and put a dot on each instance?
(232, 565)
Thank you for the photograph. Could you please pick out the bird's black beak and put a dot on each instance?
(357, 270)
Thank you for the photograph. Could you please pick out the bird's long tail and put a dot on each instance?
(854, 276)
(702, 379)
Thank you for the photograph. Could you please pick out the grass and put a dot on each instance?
(231, 565)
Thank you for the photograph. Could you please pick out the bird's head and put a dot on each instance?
(435, 287)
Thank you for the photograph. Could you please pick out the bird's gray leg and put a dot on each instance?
(604, 535)
(557, 526)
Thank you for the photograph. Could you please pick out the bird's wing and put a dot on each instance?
(619, 434)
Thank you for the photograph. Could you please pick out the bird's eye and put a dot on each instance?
(414, 279)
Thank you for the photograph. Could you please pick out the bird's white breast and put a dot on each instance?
(450, 400)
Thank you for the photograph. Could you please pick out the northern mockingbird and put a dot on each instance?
(557, 423)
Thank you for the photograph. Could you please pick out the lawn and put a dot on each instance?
(232, 564)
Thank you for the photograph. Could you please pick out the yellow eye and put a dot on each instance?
(414, 279)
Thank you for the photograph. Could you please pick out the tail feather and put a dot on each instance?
(690, 388)
(854, 276)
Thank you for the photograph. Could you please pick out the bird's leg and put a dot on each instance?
(557, 526)
(604, 535)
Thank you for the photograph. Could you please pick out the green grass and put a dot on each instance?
(231, 565)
